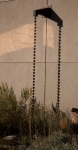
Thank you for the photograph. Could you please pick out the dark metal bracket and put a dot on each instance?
(49, 13)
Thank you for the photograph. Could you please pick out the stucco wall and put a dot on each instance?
(16, 49)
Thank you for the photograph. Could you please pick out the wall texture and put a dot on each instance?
(16, 49)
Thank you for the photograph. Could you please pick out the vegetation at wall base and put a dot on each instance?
(49, 130)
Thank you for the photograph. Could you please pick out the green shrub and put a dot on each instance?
(8, 110)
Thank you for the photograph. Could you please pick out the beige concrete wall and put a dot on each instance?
(16, 45)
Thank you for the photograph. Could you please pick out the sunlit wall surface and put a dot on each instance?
(16, 49)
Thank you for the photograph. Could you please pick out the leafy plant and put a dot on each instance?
(8, 109)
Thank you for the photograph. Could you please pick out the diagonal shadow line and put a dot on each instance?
(7, 1)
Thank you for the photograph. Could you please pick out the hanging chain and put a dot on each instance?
(59, 66)
(34, 61)
(33, 87)
(31, 130)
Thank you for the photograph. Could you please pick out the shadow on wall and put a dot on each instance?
(23, 55)
(14, 14)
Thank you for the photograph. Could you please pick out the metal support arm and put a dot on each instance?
(49, 13)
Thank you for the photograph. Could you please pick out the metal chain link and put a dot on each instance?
(34, 61)
(33, 86)
(59, 67)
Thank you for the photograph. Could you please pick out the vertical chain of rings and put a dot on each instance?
(59, 67)
(34, 61)
(33, 86)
